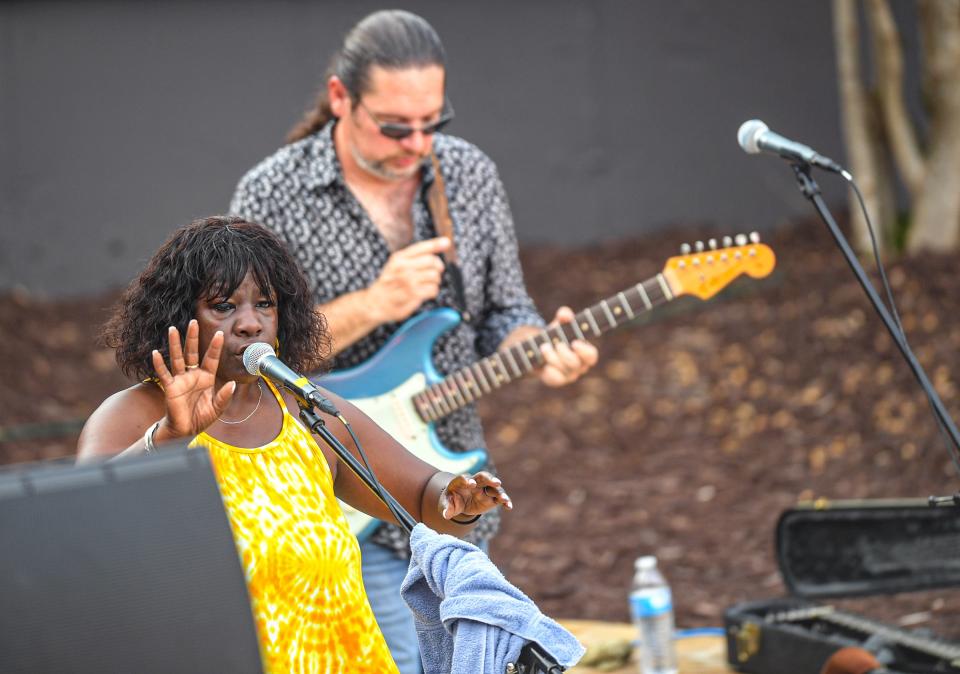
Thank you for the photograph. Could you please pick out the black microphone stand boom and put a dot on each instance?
(809, 188)
(533, 659)
(316, 424)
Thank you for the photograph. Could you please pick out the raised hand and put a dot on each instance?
(410, 277)
(188, 385)
(473, 495)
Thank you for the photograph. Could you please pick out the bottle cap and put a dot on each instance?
(645, 563)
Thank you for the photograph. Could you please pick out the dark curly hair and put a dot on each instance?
(204, 260)
(391, 39)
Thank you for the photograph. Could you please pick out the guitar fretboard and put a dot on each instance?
(472, 382)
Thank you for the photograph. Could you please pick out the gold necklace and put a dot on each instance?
(259, 400)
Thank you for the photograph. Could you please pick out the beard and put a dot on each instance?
(381, 169)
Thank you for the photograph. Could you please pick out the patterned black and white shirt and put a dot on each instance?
(299, 192)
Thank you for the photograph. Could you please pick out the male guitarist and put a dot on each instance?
(349, 194)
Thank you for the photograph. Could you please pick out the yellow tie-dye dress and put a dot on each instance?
(301, 562)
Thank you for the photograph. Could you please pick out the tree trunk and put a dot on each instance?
(936, 216)
(888, 56)
(864, 135)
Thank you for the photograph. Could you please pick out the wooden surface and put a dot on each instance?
(696, 655)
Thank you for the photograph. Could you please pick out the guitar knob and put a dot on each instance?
(754, 237)
(685, 249)
(741, 239)
(712, 243)
(727, 242)
(699, 246)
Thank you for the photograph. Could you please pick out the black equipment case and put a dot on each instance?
(849, 549)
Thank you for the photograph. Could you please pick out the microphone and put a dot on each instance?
(260, 359)
(754, 136)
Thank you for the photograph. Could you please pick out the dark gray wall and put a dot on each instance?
(608, 118)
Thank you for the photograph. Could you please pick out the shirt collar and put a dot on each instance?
(324, 165)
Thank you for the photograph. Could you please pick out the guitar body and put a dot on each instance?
(383, 388)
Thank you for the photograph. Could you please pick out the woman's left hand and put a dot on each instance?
(473, 495)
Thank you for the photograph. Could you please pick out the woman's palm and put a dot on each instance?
(189, 387)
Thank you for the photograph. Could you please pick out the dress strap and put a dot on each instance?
(276, 394)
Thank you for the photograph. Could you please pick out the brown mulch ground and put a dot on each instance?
(698, 428)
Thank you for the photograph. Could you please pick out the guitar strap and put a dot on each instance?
(440, 212)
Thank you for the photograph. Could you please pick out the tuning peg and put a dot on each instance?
(712, 243)
(699, 246)
(685, 249)
(741, 239)
(754, 237)
(727, 242)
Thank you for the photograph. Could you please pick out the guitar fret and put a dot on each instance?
(454, 392)
(439, 401)
(517, 372)
(535, 351)
(576, 328)
(424, 407)
(644, 296)
(447, 401)
(491, 372)
(593, 322)
(464, 385)
(477, 389)
(563, 336)
(625, 304)
(666, 288)
(503, 368)
(483, 379)
(523, 356)
(606, 310)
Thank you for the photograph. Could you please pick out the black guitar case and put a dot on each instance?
(849, 549)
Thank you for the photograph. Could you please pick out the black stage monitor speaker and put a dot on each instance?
(127, 566)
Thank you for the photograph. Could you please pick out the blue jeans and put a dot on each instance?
(383, 572)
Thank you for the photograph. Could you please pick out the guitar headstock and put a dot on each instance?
(705, 270)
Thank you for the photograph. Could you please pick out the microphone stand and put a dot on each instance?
(532, 659)
(809, 188)
(316, 424)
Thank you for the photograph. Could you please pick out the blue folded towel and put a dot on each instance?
(469, 618)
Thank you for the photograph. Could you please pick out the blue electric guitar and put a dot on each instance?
(400, 389)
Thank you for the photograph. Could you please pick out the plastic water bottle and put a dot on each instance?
(651, 605)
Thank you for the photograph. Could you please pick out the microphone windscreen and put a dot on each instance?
(851, 660)
(253, 354)
(749, 133)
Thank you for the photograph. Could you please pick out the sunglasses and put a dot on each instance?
(398, 131)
